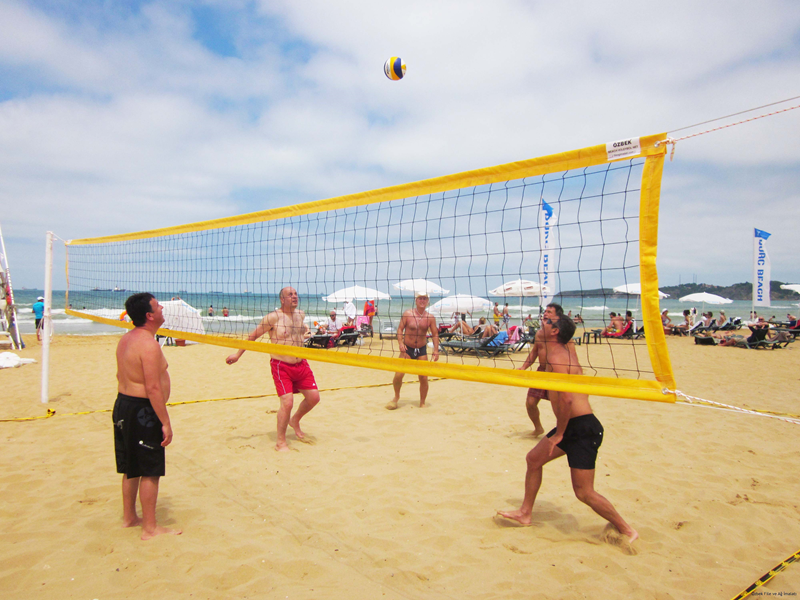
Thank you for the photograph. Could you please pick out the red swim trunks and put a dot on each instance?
(291, 378)
(537, 393)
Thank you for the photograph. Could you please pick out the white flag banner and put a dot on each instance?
(547, 232)
(761, 269)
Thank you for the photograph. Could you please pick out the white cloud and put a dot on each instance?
(131, 123)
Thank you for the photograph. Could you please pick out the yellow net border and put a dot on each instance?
(652, 150)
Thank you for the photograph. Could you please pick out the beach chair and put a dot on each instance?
(348, 336)
(463, 346)
(627, 332)
(319, 341)
(705, 340)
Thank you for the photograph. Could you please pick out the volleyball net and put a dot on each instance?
(566, 228)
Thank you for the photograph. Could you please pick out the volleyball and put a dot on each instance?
(394, 68)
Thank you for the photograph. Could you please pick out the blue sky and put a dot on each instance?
(121, 116)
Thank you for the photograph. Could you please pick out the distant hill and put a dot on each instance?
(737, 291)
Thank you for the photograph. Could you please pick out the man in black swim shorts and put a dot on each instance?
(142, 428)
(412, 338)
(578, 435)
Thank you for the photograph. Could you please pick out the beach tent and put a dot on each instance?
(420, 285)
(356, 292)
(461, 303)
(180, 316)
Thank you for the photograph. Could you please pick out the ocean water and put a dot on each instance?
(246, 310)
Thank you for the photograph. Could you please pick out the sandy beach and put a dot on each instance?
(396, 504)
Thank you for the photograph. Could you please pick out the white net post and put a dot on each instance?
(46, 318)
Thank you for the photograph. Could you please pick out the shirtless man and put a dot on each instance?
(617, 324)
(412, 340)
(578, 434)
(142, 427)
(539, 351)
(286, 326)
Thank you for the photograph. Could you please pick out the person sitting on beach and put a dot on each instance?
(412, 332)
(759, 331)
(578, 435)
(687, 322)
(721, 319)
(334, 324)
(142, 428)
(616, 325)
(578, 319)
(489, 330)
(791, 321)
(290, 374)
(666, 322)
(462, 327)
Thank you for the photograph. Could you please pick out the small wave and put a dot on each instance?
(595, 308)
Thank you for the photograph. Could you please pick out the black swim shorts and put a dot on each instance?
(137, 438)
(416, 352)
(581, 440)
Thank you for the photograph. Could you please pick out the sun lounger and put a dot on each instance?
(319, 341)
(463, 346)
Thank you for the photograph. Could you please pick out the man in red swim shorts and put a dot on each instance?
(292, 375)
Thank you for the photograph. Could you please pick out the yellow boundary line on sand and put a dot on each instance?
(51, 412)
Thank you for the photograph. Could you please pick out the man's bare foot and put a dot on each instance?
(624, 541)
(149, 535)
(538, 431)
(516, 515)
(422, 405)
(281, 447)
(392, 405)
(132, 523)
(296, 426)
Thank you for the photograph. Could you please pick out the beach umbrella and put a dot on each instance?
(635, 289)
(795, 287)
(705, 298)
(461, 303)
(356, 292)
(420, 285)
(520, 288)
(181, 316)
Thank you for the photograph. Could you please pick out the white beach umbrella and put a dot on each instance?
(706, 298)
(181, 316)
(519, 288)
(635, 289)
(461, 303)
(795, 287)
(356, 292)
(420, 285)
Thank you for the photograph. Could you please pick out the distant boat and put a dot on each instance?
(119, 289)
(101, 290)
